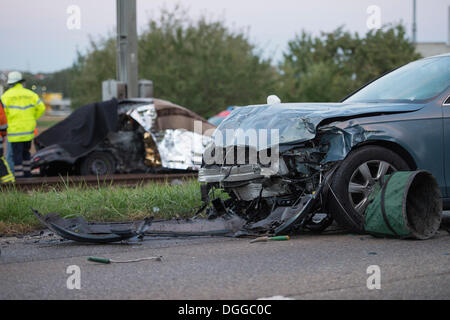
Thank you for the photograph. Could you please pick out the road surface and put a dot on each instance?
(328, 266)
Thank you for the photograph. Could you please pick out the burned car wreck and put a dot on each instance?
(130, 136)
(326, 158)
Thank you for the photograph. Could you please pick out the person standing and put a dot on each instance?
(9, 156)
(5, 172)
(22, 108)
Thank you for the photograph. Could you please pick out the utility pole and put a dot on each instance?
(414, 26)
(448, 26)
(127, 47)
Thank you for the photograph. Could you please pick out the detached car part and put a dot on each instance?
(79, 230)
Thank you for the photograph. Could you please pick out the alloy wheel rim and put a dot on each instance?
(363, 180)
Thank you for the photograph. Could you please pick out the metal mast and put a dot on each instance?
(127, 47)
(414, 26)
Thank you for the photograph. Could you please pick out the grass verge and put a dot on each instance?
(163, 201)
(45, 124)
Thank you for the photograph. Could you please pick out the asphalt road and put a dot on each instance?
(328, 266)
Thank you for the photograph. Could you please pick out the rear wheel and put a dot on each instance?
(98, 164)
(354, 181)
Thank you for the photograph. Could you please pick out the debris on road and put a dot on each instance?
(79, 230)
(109, 261)
(266, 239)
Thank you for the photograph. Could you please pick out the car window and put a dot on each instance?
(416, 82)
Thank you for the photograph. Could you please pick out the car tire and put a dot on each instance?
(355, 178)
(98, 164)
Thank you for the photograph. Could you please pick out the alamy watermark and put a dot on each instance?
(238, 146)
(74, 19)
(373, 21)
(374, 280)
(74, 280)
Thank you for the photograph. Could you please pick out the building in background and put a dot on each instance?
(60, 108)
(56, 104)
(428, 49)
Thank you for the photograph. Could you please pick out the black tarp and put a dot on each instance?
(83, 130)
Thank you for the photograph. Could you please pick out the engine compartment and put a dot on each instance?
(267, 196)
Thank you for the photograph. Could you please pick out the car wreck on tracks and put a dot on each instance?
(327, 157)
(129, 136)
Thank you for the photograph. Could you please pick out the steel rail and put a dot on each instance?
(36, 183)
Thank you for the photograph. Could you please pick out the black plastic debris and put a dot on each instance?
(79, 230)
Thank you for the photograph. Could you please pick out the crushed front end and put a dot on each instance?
(285, 194)
(305, 142)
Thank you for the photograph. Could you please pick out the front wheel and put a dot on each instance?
(354, 181)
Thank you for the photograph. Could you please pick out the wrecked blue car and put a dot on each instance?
(329, 156)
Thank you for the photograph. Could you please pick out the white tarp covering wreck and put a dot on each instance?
(177, 143)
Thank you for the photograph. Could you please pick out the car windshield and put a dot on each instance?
(416, 82)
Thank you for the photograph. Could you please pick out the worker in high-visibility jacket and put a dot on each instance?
(22, 107)
(5, 172)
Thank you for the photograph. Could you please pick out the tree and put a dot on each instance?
(329, 67)
(202, 65)
(59, 81)
(90, 69)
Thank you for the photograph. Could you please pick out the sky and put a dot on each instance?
(35, 35)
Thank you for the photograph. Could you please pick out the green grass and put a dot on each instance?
(46, 123)
(112, 203)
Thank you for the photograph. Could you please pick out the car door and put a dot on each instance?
(444, 101)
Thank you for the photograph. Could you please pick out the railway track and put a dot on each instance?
(92, 181)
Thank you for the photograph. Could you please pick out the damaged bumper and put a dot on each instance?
(230, 174)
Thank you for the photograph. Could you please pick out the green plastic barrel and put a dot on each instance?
(405, 205)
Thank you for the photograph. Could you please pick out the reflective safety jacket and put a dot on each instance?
(22, 107)
(5, 172)
(3, 123)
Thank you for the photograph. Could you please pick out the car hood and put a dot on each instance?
(295, 122)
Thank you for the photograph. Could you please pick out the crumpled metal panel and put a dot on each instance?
(176, 149)
(145, 116)
(181, 149)
(342, 140)
(296, 122)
